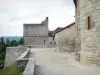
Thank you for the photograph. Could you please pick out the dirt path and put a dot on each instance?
(50, 62)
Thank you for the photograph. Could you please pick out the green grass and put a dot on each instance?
(11, 71)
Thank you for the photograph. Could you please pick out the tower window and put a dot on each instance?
(44, 41)
(89, 22)
(50, 42)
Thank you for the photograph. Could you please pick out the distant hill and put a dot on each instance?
(12, 37)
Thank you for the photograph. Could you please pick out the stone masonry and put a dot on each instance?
(37, 34)
(88, 31)
(12, 53)
(65, 38)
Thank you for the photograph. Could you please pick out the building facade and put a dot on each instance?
(65, 38)
(37, 34)
(87, 18)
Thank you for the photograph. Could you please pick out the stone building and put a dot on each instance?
(65, 38)
(38, 34)
(87, 18)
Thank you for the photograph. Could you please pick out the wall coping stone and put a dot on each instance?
(28, 64)
(29, 70)
(23, 55)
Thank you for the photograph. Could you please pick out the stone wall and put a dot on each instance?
(35, 30)
(12, 53)
(37, 34)
(30, 68)
(65, 39)
(90, 38)
(22, 60)
(26, 64)
(38, 40)
(77, 31)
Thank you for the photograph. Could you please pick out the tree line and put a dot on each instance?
(9, 43)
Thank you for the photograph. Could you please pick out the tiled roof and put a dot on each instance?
(65, 27)
(57, 29)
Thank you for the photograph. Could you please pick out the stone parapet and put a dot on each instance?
(26, 64)
(21, 62)
(29, 70)
(12, 53)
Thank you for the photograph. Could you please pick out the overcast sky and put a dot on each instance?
(13, 13)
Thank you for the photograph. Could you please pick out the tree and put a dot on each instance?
(14, 43)
(2, 45)
(2, 42)
(8, 43)
(21, 41)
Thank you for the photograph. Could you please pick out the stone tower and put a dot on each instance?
(37, 34)
(87, 17)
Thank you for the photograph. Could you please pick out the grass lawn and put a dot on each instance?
(11, 71)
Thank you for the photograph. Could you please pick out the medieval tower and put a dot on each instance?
(37, 34)
(87, 17)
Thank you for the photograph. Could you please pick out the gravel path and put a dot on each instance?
(50, 62)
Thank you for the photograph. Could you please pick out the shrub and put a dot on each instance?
(1, 62)
(2, 56)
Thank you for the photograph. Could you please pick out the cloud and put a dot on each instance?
(14, 13)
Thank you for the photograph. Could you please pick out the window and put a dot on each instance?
(50, 42)
(89, 22)
(44, 41)
(27, 33)
(53, 38)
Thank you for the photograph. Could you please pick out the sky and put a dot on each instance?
(13, 13)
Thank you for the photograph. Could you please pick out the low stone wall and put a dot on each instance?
(19, 55)
(29, 70)
(21, 62)
(12, 53)
(26, 64)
